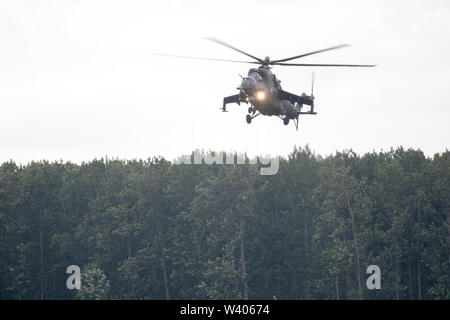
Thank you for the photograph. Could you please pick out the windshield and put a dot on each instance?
(254, 74)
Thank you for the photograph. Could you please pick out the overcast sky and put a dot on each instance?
(78, 80)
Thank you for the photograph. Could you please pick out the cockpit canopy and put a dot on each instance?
(248, 83)
(253, 73)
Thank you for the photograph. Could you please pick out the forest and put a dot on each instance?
(153, 229)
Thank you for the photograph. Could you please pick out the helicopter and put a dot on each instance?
(262, 90)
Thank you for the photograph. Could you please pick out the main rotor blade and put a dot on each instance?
(323, 65)
(201, 58)
(235, 49)
(313, 52)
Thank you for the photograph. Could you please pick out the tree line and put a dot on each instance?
(152, 229)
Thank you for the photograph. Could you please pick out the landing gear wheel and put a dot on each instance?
(250, 109)
(249, 119)
(286, 121)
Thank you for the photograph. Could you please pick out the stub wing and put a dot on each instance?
(293, 98)
(231, 99)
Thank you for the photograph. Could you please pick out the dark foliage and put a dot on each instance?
(157, 230)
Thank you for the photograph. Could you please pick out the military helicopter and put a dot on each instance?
(262, 90)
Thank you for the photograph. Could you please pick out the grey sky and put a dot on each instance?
(78, 81)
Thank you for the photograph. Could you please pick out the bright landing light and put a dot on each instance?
(260, 95)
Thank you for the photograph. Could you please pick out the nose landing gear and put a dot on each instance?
(249, 117)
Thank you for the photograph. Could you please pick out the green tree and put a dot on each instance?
(94, 284)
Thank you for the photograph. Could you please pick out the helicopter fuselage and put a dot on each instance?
(262, 90)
